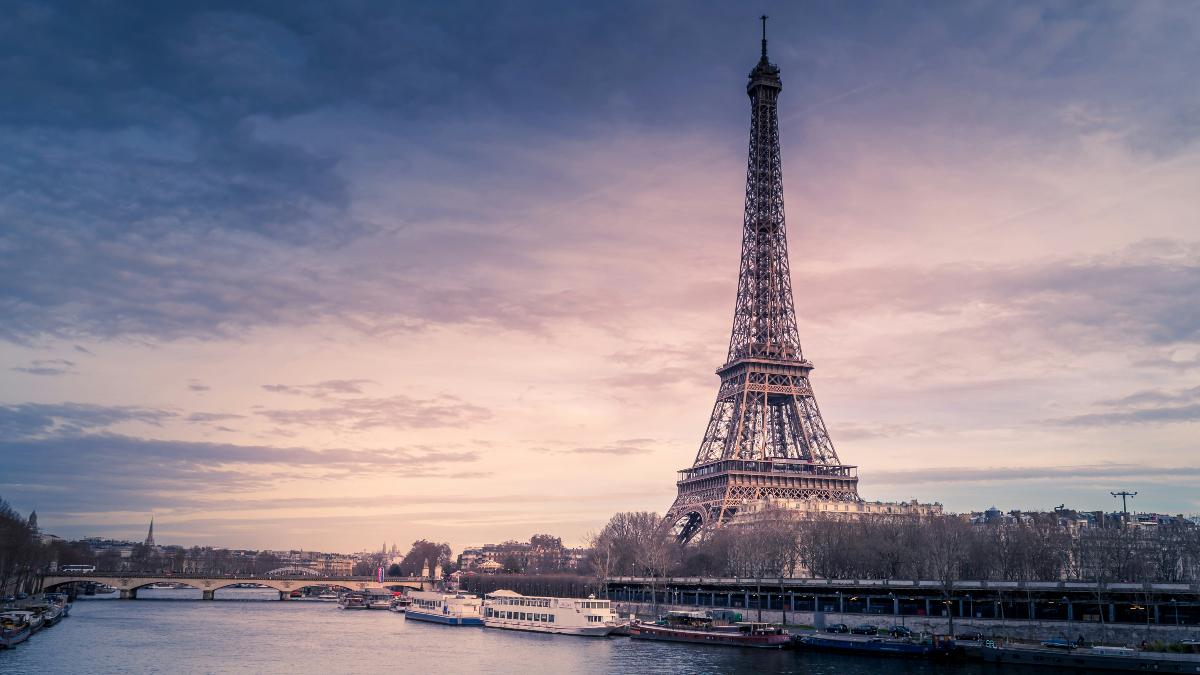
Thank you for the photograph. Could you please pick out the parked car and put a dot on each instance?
(900, 631)
(970, 636)
(837, 628)
(865, 629)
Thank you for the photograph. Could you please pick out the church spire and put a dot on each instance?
(150, 534)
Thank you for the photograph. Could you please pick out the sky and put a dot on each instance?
(326, 275)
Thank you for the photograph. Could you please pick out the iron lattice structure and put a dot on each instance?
(766, 438)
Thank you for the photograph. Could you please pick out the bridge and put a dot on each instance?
(285, 582)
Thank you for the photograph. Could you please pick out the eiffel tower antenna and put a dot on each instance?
(764, 18)
(766, 438)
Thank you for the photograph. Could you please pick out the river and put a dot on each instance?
(250, 630)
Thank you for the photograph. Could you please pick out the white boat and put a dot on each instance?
(354, 601)
(328, 597)
(400, 604)
(566, 616)
(379, 600)
(451, 609)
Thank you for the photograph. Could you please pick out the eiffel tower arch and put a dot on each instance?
(766, 439)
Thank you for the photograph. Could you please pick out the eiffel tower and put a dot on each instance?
(766, 438)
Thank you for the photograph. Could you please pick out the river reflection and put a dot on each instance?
(250, 630)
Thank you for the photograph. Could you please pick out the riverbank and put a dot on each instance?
(1127, 634)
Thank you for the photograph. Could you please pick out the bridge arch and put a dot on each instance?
(129, 583)
(297, 571)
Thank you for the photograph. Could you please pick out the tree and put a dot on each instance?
(545, 541)
(19, 548)
(422, 553)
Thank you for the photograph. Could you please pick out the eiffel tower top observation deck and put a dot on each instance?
(766, 438)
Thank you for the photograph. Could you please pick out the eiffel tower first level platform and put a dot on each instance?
(766, 439)
(712, 493)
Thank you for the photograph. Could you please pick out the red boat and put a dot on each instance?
(699, 628)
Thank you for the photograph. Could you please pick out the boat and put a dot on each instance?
(379, 600)
(540, 614)
(32, 619)
(354, 601)
(51, 613)
(922, 647)
(62, 600)
(328, 596)
(13, 629)
(456, 609)
(700, 628)
(169, 586)
(1088, 659)
(400, 604)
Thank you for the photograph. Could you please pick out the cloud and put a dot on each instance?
(629, 446)
(857, 432)
(320, 389)
(42, 420)
(122, 472)
(1150, 406)
(392, 412)
(1169, 362)
(1154, 397)
(992, 474)
(203, 417)
(48, 367)
(197, 386)
(1168, 414)
(1091, 303)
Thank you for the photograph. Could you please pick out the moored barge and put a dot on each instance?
(699, 628)
(927, 647)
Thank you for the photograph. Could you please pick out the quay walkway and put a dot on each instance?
(128, 583)
(1069, 602)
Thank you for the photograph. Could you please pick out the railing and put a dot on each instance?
(244, 577)
(771, 466)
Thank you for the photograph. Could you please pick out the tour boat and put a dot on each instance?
(568, 616)
(699, 628)
(376, 601)
(451, 609)
(14, 629)
(937, 645)
(328, 596)
(354, 601)
(400, 604)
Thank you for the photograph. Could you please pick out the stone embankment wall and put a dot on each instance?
(1121, 633)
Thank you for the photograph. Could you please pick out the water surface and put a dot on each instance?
(249, 630)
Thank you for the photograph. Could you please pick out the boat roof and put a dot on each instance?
(505, 593)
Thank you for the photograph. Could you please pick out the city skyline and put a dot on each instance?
(306, 277)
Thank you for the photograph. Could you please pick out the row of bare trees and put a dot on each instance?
(943, 548)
